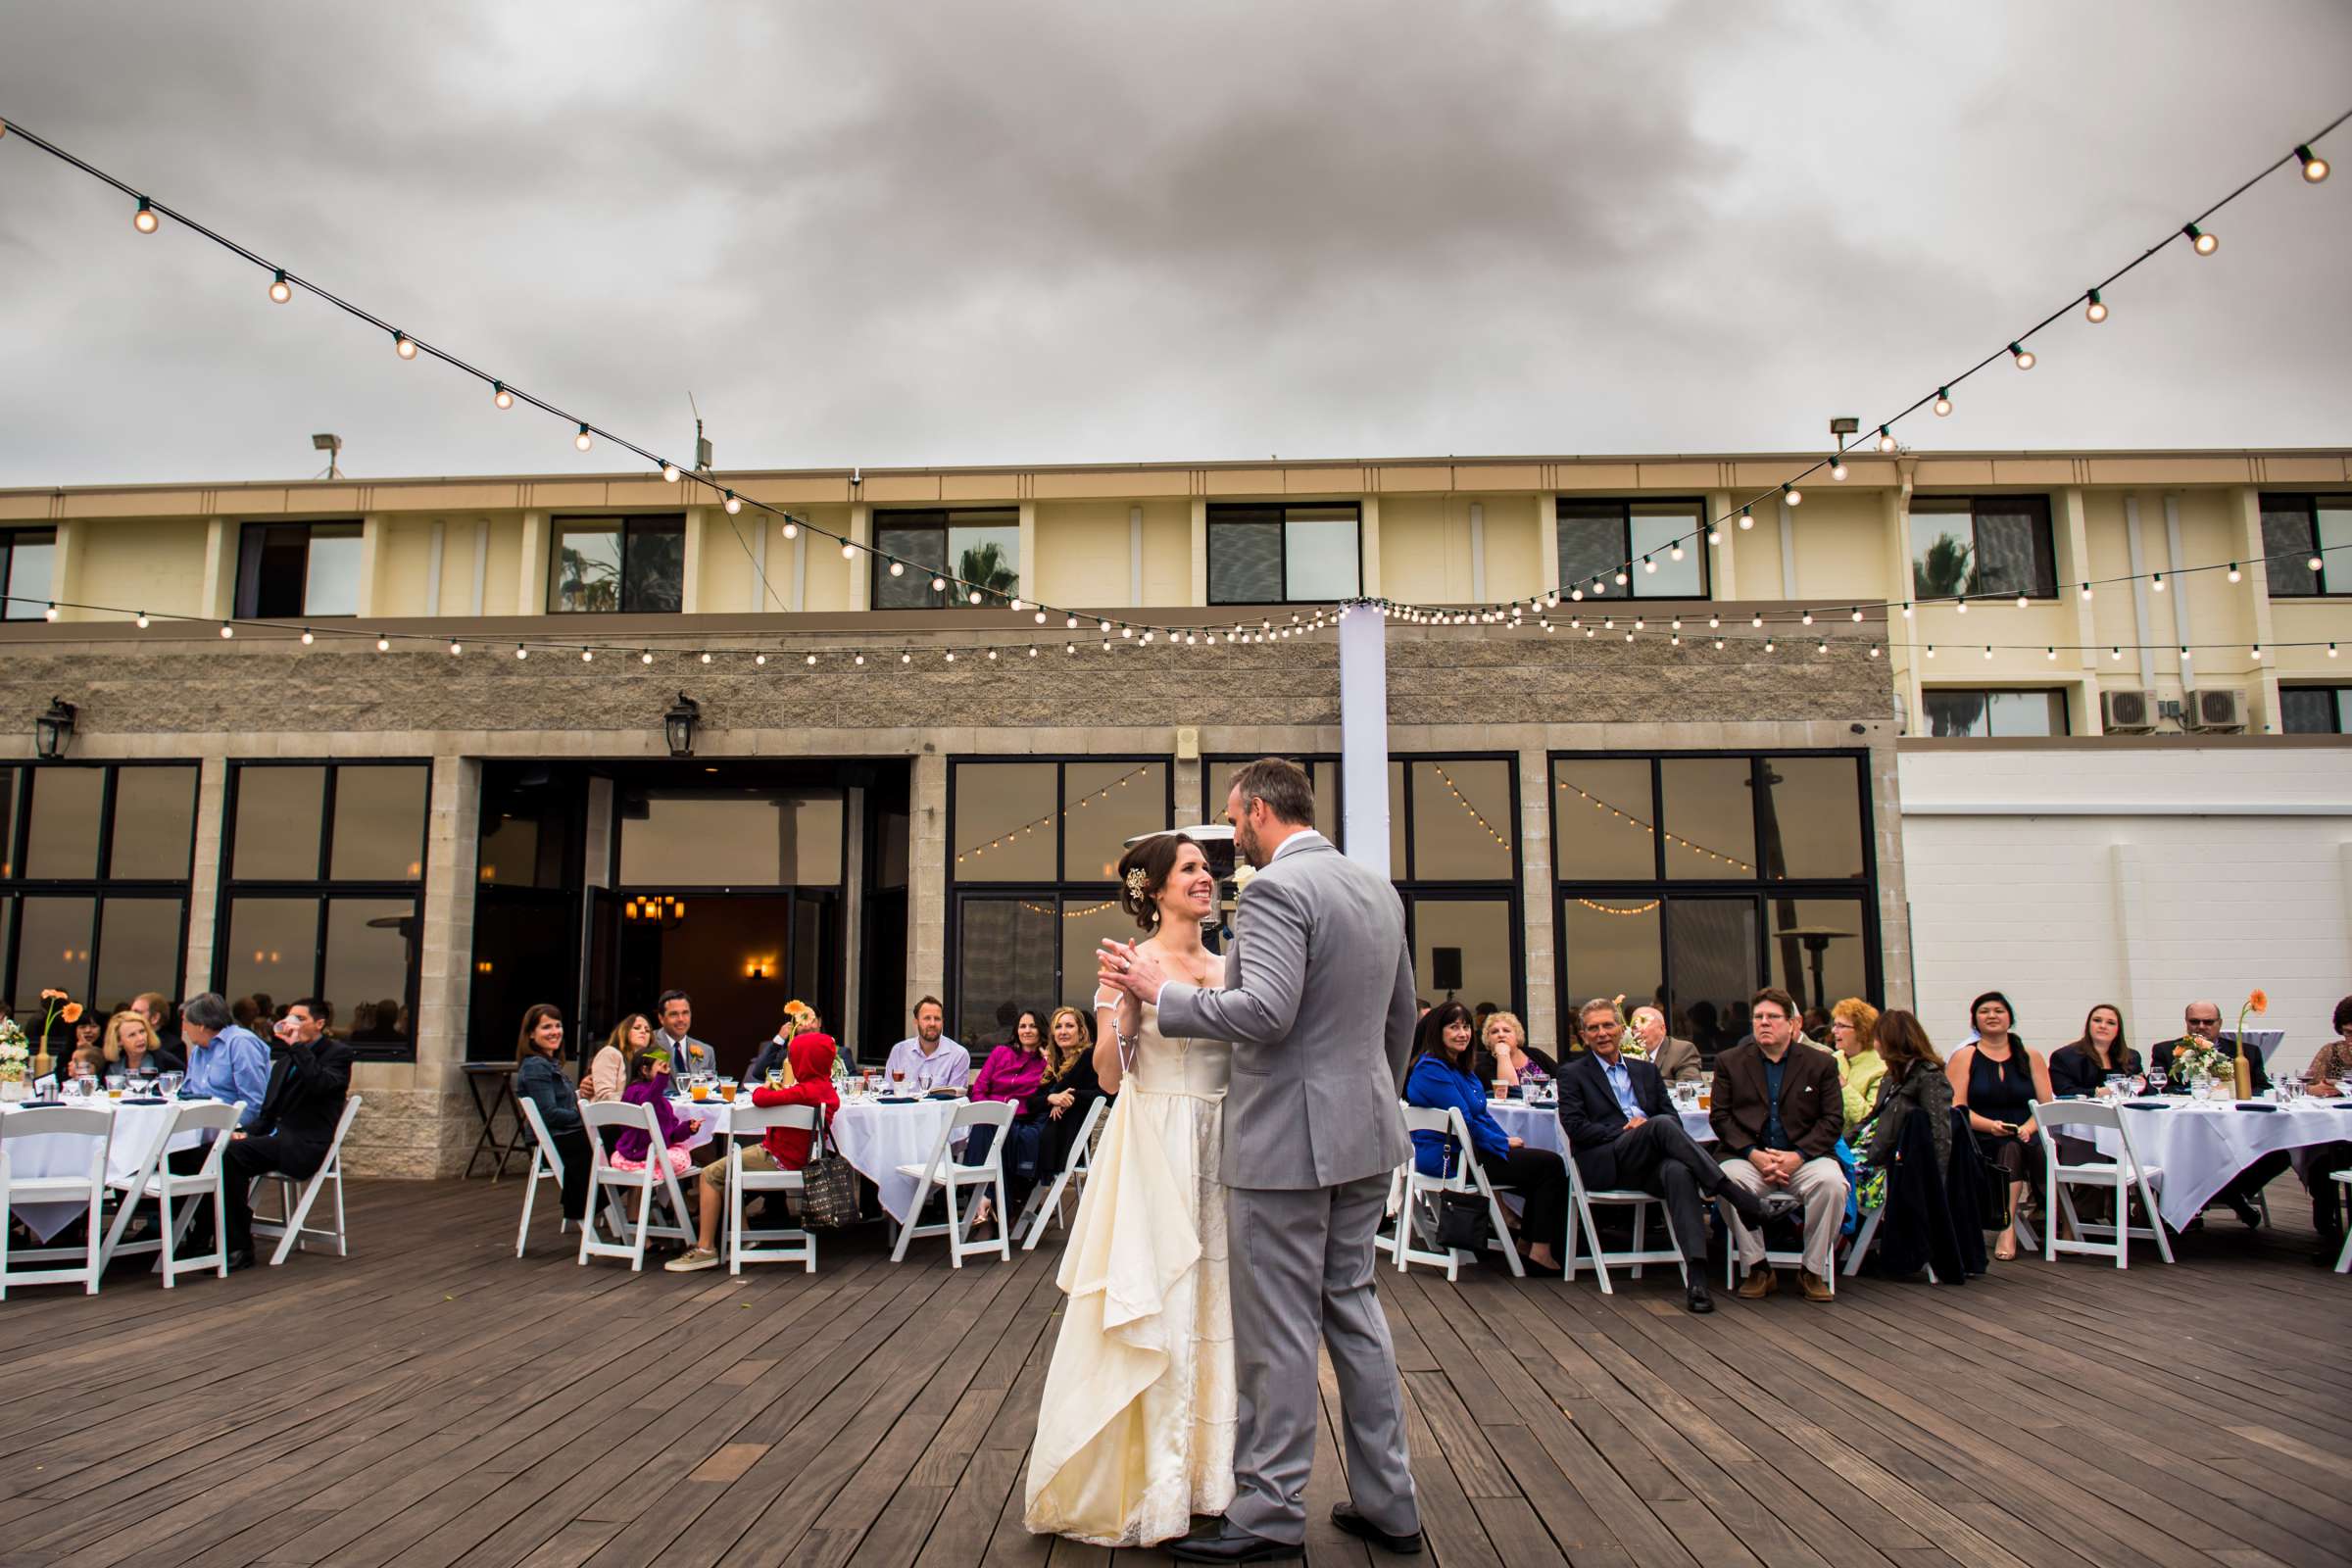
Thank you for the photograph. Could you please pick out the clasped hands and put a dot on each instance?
(1118, 965)
(1776, 1165)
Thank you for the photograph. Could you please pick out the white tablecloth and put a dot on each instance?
(2200, 1145)
(875, 1138)
(1539, 1126)
(128, 1150)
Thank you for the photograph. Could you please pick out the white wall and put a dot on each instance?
(2069, 874)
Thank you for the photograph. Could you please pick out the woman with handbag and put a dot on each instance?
(1443, 1079)
(811, 1057)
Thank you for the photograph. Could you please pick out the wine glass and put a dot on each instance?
(171, 1083)
(898, 1080)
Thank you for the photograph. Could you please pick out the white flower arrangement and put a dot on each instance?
(14, 1055)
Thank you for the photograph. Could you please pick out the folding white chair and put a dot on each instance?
(546, 1165)
(606, 1180)
(2343, 1264)
(160, 1184)
(1046, 1203)
(1402, 1244)
(291, 1223)
(950, 1175)
(1774, 1257)
(2119, 1177)
(83, 1183)
(769, 1243)
(1581, 1199)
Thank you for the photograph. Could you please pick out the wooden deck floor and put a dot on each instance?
(432, 1399)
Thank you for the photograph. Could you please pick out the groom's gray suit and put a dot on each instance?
(1319, 1002)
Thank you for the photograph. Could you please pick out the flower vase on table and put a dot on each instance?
(15, 1062)
(2257, 1002)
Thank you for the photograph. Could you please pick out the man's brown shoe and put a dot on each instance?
(1761, 1282)
(1817, 1289)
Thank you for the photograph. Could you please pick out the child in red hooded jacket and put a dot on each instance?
(781, 1148)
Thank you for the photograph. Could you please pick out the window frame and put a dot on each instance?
(1666, 890)
(1413, 888)
(2063, 694)
(1632, 559)
(253, 535)
(98, 886)
(627, 524)
(2340, 691)
(877, 567)
(2307, 502)
(322, 890)
(1280, 520)
(1977, 501)
(30, 608)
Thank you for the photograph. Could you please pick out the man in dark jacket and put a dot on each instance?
(1623, 1132)
(1778, 1111)
(309, 1074)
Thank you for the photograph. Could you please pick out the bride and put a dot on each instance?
(1134, 1427)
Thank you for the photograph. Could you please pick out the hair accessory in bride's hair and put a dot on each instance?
(1135, 882)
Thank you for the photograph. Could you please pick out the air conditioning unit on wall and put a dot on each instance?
(2127, 710)
(2215, 708)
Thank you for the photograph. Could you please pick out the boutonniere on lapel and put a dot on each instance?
(1241, 877)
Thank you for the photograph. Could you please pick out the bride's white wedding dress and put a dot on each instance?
(1134, 1427)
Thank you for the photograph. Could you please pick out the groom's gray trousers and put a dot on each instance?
(1301, 1272)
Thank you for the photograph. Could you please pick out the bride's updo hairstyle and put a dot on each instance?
(1142, 872)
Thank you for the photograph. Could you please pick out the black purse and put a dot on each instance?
(828, 1185)
(1463, 1222)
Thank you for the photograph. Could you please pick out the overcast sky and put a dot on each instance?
(944, 233)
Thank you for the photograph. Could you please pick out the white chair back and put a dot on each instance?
(83, 1184)
(295, 1198)
(2120, 1177)
(952, 1175)
(1046, 1206)
(612, 1182)
(546, 1165)
(773, 1243)
(1585, 1230)
(1409, 1185)
(167, 1186)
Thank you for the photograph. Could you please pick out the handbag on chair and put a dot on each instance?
(1463, 1223)
(828, 1185)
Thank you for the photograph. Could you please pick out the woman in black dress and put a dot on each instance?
(1070, 1088)
(1996, 1080)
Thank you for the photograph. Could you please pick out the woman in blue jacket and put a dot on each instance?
(1442, 1079)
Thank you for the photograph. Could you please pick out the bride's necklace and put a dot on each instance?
(1194, 967)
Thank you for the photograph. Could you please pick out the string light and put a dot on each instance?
(2096, 311)
(1838, 470)
(307, 638)
(1886, 439)
(1631, 821)
(144, 219)
(1006, 839)
(141, 620)
(1797, 497)
(501, 396)
(2234, 574)
(2203, 242)
(403, 345)
(670, 472)
(521, 652)
(733, 503)
(280, 291)
(583, 440)
(2022, 356)
(791, 530)
(588, 656)
(1748, 519)
(1610, 908)
(456, 648)
(1944, 401)
(383, 644)
(2314, 167)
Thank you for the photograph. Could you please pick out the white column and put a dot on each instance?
(2073, 566)
(530, 585)
(1200, 553)
(372, 562)
(220, 588)
(1371, 560)
(1535, 893)
(1903, 662)
(435, 543)
(2139, 591)
(2258, 582)
(1364, 734)
(862, 574)
(1478, 553)
(204, 882)
(690, 588)
(1135, 557)
(1028, 552)
(481, 564)
(1547, 541)
(1723, 562)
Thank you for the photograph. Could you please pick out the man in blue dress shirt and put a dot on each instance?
(225, 1060)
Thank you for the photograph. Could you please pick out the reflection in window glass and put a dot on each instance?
(1708, 816)
(1812, 817)
(924, 550)
(379, 825)
(11, 780)
(367, 976)
(1320, 554)
(278, 823)
(1611, 946)
(653, 566)
(1004, 823)
(738, 840)
(1245, 562)
(1711, 952)
(1462, 822)
(272, 948)
(1216, 775)
(2314, 709)
(331, 578)
(1085, 923)
(1657, 526)
(155, 824)
(1007, 951)
(28, 560)
(1816, 949)
(1602, 820)
(138, 950)
(53, 951)
(62, 840)
(1106, 803)
(1463, 949)
(1976, 712)
(509, 851)
(587, 574)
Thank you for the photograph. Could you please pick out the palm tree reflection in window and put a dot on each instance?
(587, 584)
(983, 566)
(1947, 569)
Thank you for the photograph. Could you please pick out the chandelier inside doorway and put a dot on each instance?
(659, 911)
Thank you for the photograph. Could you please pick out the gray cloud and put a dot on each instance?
(1089, 232)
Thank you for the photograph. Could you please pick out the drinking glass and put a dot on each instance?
(898, 1080)
(171, 1083)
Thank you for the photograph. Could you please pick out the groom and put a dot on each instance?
(1318, 1004)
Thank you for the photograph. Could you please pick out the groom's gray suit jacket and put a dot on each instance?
(1319, 1004)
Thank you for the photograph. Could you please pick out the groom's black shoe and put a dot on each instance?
(1217, 1541)
(1343, 1515)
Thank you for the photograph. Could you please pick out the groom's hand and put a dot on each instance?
(1120, 965)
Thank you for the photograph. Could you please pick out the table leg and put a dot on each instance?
(487, 1143)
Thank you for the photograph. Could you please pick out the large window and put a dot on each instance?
(1453, 831)
(1660, 546)
(27, 563)
(1271, 555)
(1216, 774)
(634, 565)
(1996, 545)
(2297, 530)
(324, 895)
(2316, 710)
(1691, 880)
(964, 551)
(94, 866)
(1996, 711)
(290, 570)
(1033, 867)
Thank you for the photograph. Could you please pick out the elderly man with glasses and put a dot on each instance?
(2202, 1021)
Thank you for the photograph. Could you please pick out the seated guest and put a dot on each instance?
(609, 1074)
(1623, 1131)
(1505, 1056)
(310, 1076)
(798, 1020)
(1914, 1104)
(2331, 1073)
(1441, 1079)
(1676, 1059)
(1859, 1065)
(1996, 1078)
(809, 1068)
(928, 1059)
(130, 1049)
(539, 1078)
(86, 1061)
(648, 1085)
(2081, 1069)
(1014, 1072)
(226, 1061)
(1778, 1113)
(89, 1033)
(156, 1009)
(1071, 1086)
(2202, 1023)
(1912, 1078)
(687, 1055)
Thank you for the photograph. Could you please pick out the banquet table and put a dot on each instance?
(130, 1155)
(876, 1138)
(2202, 1144)
(1539, 1126)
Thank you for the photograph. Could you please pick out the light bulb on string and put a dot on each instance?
(587, 656)
(2314, 167)
(1797, 497)
(2234, 574)
(456, 648)
(280, 290)
(1649, 565)
(2085, 591)
(810, 661)
(646, 657)
(1857, 616)
(1719, 645)
(403, 345)
(761, 660)
(1886, 439)
(2053, 652)
(383, 644)
(1674, 552)
(2332, 650)
(1755, 620)
(50, 613)
(1808, 618)
(1748, 517)
(144, 219)
(1770, 645)
(1931, 649)
(1620, 579)
(2258, 653)
(501, 396)
(939, 585)
(2159, 582)
(898, 568)
(307, 638)
(583, 440)
(2021, 601)
(2114, 654)
(1714, 621)
(2022, 355)
(706, 656)
(2096, 311)
(848, 551)
(1961, 604)
(2202, 241)
(1944, 401)
(791, 530)
(140, 621)
(1822, 647)
(1838, 470)
(1988, 650)
(1874, 650)
(1906, 609)
(733, 503)
(521, 652)
(2185, 655)
(1714, 534)
(670, 472)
